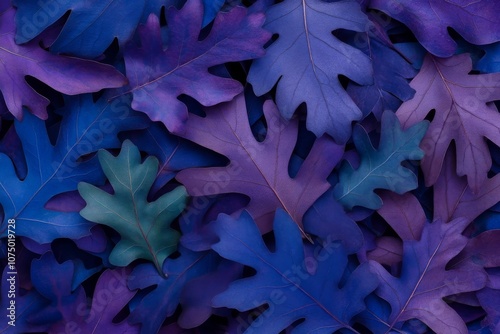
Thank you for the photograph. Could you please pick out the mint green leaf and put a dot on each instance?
(144, 227)
(381, 168)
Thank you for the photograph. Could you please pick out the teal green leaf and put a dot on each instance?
(381, 168)
(144, 226)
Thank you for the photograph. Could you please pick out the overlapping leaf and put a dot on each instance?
(88, 30)
(282, 282)
(68, 75)
(380, 168)
(307, 59)
(463, 114)
(429, 20)
(157, 76)
(453, 198)
(258, 169)
(425, 281)
(163, 300)
(111, 295)
(144, 226)
(53, 170)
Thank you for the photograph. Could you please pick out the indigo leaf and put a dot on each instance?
(463, 115)
(144, 226)
(380, 168)
(258, 169)
(163, 299)
(157, 76)
(291, 294)
(306, 60)
(67, 75)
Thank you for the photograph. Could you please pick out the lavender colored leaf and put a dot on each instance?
(429, 20)
(67, 75)
(196, 299)
(463, 114)
(157, 76)
(258, 169)
(306, 60)
(424, 280)
(144, 226)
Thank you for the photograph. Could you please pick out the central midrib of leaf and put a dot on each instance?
(424, 272)
(284, 277)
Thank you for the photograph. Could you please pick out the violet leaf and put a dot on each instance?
(158, 76)
(306, 60)
(258, 169)
(380, 168)
(89, 29)
(144, 226)
(430, 20)
(291, 294)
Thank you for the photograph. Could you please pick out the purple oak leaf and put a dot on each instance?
(158, 76)
(306, 60)
(67, 75)
(490, 302)
(463, 115)
(111, 295)
(324, 298)
(55, 169)
(476, 21)
(454, 199)
(27, 307)
(258, 169)
(196, 298)
(425, 281)
(404, 213)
